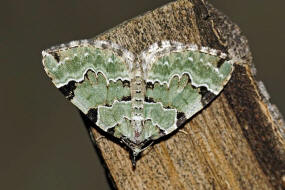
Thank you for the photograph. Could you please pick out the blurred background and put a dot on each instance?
(43, 142)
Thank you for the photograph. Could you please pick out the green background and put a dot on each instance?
(43, 142)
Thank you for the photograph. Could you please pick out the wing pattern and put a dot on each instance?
(184, 78)
(137, 98)
(93, 75)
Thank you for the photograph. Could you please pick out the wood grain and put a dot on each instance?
(237, 142)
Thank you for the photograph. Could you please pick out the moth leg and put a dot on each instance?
(98, 139)
(182, 131)
(148, 148)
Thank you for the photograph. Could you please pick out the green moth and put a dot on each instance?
(137, 98)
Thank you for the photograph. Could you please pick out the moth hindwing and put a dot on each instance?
(137, 98)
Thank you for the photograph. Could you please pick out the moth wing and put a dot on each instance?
(183, 77)
(93, 75)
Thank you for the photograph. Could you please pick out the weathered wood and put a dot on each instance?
(237, 142)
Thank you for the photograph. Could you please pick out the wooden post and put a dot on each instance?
(237, 142)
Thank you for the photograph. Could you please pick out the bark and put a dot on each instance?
(236, 142)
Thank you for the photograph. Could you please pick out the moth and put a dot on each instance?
(137, 98)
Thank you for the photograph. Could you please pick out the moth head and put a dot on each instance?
(136, 150)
